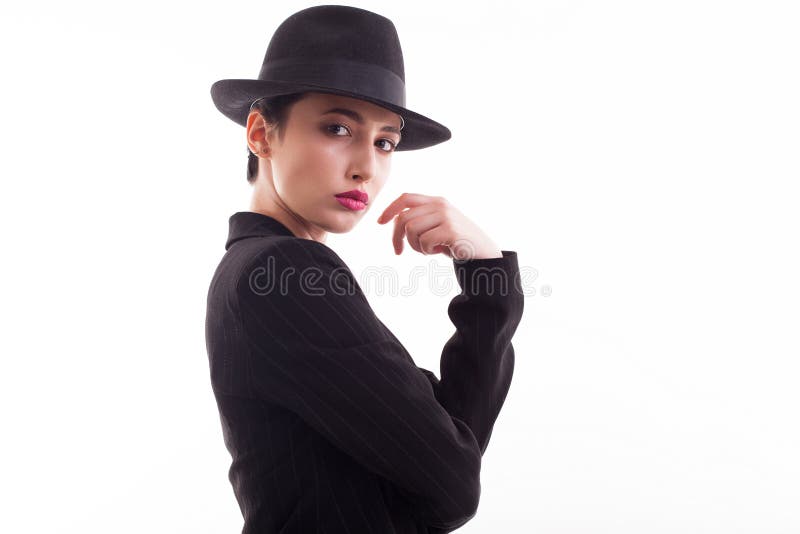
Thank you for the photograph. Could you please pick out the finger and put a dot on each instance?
(406, 200)
(398, 233)
(435, 240)
(402, 219)
(419, 225)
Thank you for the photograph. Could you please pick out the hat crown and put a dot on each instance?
(335, 33)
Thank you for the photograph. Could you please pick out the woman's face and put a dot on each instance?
(324, 153)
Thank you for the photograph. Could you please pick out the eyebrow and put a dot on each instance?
(359, 119)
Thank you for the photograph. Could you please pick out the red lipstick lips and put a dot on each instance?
(353, 200)
(355, 194)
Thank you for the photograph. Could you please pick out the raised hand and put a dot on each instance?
(433, 225)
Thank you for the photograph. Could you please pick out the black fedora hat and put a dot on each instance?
(334, 49)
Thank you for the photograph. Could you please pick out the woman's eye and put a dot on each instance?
(392, 146)
(333, 126)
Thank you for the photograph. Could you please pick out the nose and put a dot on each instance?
(364, 162)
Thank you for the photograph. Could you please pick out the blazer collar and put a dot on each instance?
(244, 224)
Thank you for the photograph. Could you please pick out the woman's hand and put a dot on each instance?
(433, 225)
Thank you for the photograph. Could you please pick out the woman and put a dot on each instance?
(330, 424)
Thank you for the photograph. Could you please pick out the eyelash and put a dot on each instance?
(329, 126)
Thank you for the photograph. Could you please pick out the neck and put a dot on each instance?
(265, 201)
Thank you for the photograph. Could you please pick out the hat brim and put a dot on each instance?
(233, 98)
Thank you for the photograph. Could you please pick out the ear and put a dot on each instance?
(258, 133)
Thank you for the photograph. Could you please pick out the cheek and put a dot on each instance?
(323, 164)
(311, 172)
(309, 162)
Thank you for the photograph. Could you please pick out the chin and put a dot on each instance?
(342, 222)
(346, 226)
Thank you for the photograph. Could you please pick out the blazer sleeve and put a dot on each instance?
(477, 362)
(315, 347)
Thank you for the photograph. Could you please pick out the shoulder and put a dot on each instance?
(300, 293)
(291, 265)
(296, 251)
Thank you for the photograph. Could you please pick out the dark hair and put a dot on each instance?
(275, 111)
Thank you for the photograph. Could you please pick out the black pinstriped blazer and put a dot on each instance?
(331, 426)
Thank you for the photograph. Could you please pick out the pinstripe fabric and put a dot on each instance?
(330, 425)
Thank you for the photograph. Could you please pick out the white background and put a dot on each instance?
(640, 157)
